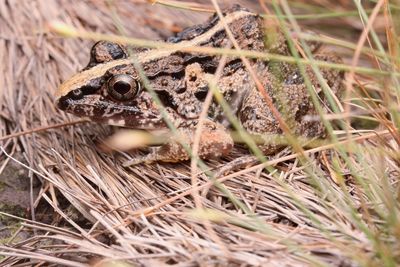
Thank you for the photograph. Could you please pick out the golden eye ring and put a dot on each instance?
(123, 87)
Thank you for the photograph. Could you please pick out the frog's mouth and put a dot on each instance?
(99, 109)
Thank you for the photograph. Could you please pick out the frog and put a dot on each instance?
(121, 85)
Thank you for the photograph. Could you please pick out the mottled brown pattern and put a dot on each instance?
(181, 81)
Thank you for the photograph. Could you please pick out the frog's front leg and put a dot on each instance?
(215, 141)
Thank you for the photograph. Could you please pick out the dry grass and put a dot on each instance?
(337, 208)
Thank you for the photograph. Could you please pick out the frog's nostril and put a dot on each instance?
(76, 94)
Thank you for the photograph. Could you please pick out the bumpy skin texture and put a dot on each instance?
(180, 79)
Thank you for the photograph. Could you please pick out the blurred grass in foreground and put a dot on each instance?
(359, 189)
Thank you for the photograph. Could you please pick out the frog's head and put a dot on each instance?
(109, 90)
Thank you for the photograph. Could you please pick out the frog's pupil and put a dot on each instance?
(122, 87)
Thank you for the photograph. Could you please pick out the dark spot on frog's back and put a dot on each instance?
(251, 28)
(194, 31)
(105, 51)
(166, 99)
(201, 93)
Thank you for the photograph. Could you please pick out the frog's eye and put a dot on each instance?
(123, 87)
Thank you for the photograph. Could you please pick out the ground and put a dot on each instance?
(78, 205)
